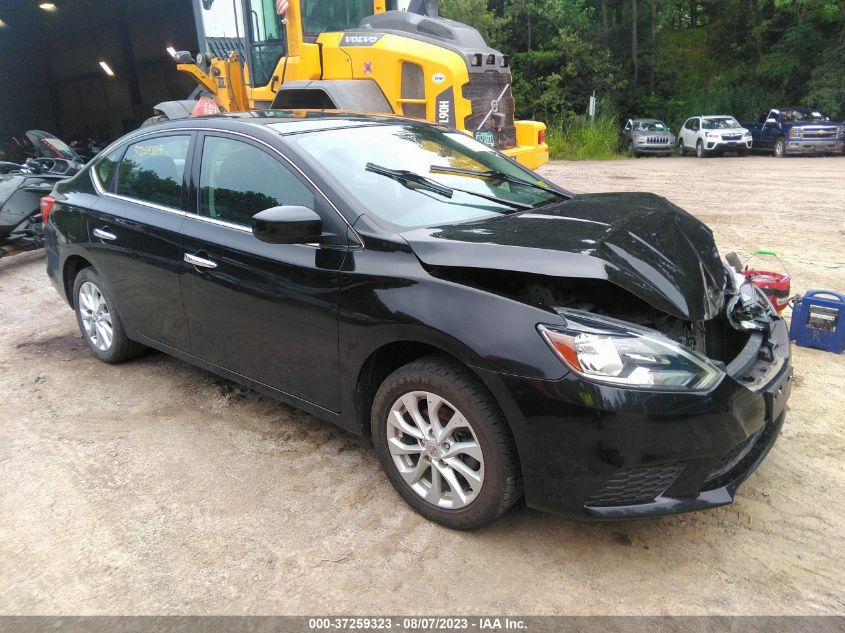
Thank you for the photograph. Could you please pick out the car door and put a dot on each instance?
(770, 130)
(268, 312)
(133, 233)
(686, 134)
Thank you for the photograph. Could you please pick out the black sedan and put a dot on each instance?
(493, 335)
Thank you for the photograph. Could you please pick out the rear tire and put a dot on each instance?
(98, 320)
(460, 488)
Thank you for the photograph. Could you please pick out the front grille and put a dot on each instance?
(637, 485)
(481, 90)
(658, 140)
(731, 137)
(819, 133)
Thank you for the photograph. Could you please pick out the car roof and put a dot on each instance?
(298, 121)
(718, 116)
(647, 120)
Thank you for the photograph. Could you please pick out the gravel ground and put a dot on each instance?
(153, 487)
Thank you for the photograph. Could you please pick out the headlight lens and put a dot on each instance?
(796, 132)
(641, 140)
(746, 134)
(610, 351)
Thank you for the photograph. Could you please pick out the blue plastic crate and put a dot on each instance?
(818, 320)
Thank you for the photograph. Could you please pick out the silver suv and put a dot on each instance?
(647, 136)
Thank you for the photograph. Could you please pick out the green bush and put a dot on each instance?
(578, 138)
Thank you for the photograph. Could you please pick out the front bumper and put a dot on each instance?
(814, 146)
(718, 145)
(654, 148)
(597, 452)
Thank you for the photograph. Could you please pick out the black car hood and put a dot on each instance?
(638, 241)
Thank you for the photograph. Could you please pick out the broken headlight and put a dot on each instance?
(618, 353)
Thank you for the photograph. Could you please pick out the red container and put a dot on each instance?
(774, 284)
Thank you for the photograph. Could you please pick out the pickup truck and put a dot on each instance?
(796, 130)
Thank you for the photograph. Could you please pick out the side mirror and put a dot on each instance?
(287, 225)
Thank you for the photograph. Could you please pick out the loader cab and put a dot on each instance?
(266, 40)
(268, 34)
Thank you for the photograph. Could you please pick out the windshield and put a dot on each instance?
(321, 16)
(650, 126)
(720, 123)
(343, 154)
(803, 116)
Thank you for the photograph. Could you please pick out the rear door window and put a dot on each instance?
(152, 170)
(106, 165)
(237, 180)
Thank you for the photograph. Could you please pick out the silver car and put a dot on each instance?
(647, 136)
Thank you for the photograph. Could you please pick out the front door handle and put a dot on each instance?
(104, 235)
(199, 262)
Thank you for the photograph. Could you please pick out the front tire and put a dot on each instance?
(700, 152)
(444, 444)
(780, 148)
(98, 319)
(682, 150)
(631, 150)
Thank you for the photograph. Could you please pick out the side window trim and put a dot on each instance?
(115, 178)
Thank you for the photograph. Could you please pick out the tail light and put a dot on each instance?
(541, 137)
(47, 203)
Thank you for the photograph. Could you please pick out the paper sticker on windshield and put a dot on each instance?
(486, 137)
(360, 39)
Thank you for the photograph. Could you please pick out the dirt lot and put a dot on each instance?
(156, 488)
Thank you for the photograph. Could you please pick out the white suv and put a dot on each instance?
(706, 135)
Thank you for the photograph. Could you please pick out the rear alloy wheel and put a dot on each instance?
(699, 149)
(780, 148)
(444, 444)
(98, 320)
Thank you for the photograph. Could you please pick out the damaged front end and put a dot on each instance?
(676, 413)
(730, 377)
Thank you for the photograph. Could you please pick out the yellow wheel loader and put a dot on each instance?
(361, 55)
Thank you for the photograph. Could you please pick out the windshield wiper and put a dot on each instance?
(494, 175)
(409, 177)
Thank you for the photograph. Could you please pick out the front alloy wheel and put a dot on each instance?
(700, 152)
(435, 449)
(444, 444)
(780, 148)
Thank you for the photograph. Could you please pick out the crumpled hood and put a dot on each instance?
(638, 241)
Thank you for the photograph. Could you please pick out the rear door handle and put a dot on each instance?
(104, 235)
(199, 262)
